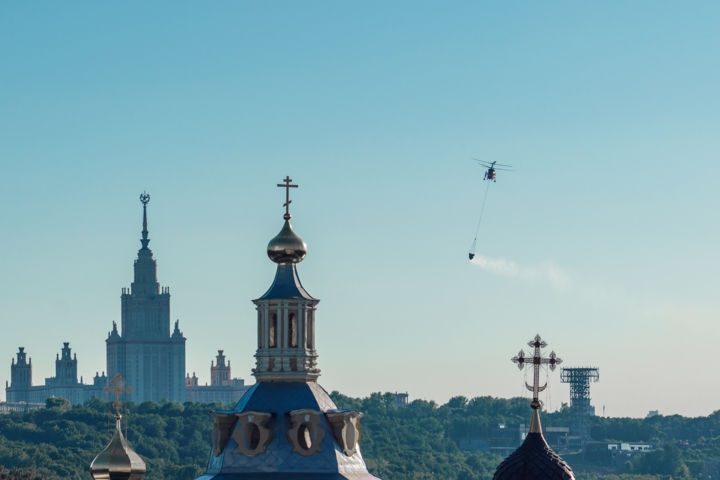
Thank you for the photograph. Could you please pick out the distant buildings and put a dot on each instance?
(630, 448)
(144, 351)
(400, 399)
(504, 439)
(64, 384)
(223, 388)
(7, 407)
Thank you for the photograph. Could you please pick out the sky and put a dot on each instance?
(603, 238)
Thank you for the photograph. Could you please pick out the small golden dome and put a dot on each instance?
(117, 460)
(287, 247)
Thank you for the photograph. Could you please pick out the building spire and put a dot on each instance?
(145, 280)
(286, 327)
(144, 199)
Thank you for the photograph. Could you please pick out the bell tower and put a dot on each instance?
(286, 312)
(286, 426)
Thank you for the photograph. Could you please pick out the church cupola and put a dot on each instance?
(534, 459)
(117, 461)
(286, 312)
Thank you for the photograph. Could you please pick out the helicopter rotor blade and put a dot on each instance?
(482, 162)
(494, 165)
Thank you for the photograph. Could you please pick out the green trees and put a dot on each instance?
(417, 441)
(60, 441)
(17, 474)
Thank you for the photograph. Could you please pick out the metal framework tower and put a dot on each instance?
(579, 379)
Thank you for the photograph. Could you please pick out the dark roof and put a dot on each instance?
(534, 460)
(286, 285)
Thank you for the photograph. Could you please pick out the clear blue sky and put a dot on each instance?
(604, 239)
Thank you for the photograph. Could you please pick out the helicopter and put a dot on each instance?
(491, 174)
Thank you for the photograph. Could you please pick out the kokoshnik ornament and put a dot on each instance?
(534, 459)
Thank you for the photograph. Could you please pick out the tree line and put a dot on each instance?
(420, 440)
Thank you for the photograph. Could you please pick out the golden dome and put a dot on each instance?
(287, 247)
(117, 460)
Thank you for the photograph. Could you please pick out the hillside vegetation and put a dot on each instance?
(418, 441)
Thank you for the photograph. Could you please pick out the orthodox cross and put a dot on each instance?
(287, 186)
(144, 198)
(536, 361)
(117, 387)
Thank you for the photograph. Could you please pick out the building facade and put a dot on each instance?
(145, 352)
(222, 389)
(64, 384)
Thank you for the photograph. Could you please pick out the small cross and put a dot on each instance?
(536, 361)
(287, 186)
(117, 387)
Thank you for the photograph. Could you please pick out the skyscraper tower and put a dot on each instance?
(220, 371)
(20, 378)
(286, 426)
(66, 366)
(144, 352)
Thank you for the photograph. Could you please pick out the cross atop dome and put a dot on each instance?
(287, 186)
(534, 459)
(287, 247)
(536, 361)
(116, 386)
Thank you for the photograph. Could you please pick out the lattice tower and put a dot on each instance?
(579, 379)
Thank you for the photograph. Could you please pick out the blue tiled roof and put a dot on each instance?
(282, 397)
(286, 285)
(279, 461)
